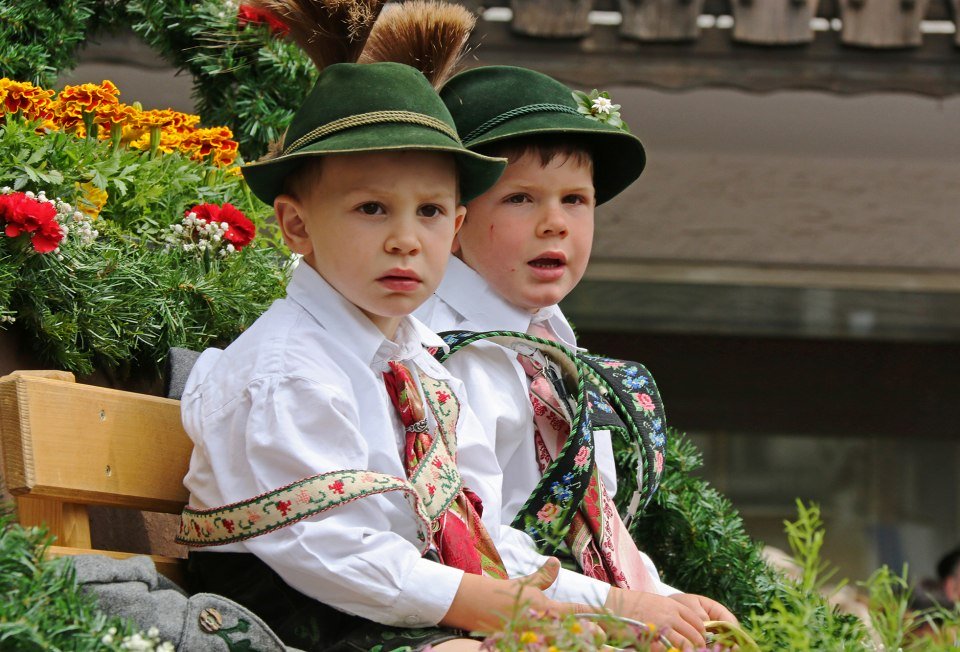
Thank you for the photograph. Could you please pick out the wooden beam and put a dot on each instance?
(767, 311)
(605, 59)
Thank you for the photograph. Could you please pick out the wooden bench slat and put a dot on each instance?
(93, 443)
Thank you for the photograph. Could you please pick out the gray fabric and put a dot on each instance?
(132, 589)
(179, 363)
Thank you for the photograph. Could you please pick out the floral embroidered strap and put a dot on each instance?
(545, 516)
(619, 396)
(320, 493)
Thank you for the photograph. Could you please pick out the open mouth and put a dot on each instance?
(546, 262)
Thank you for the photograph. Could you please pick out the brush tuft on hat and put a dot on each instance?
(328, 31)
(427, 35)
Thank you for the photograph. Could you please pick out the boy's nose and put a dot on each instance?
(553, 221)
(403, 239)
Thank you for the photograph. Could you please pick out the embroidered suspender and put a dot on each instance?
(428, 497)
(612, 395)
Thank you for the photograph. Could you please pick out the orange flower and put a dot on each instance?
(32, 101)
(90, 97)
(116, 114)
(168, 118)
(217, 141)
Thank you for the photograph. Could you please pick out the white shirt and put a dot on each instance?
(498, 388)
(301, 392)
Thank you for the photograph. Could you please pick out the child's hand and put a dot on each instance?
(681, 625)
(482, 602)
(706, 608)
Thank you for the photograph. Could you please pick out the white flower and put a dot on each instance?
(153, 632)
(107, 639)
(602, 105)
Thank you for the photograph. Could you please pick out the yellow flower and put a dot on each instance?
(91, 199)
(31, 101)
(652, 627)
(553, 648)
(89, 97)
(575, 627)
(218, 141)
(528, 638)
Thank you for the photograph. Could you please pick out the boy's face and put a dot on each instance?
(378, 227)
(530, 235)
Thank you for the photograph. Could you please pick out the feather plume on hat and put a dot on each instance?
(328, 31)
(427, 35)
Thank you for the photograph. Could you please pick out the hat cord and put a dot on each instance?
(513, 113)
(373, 117)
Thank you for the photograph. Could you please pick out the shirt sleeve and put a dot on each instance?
(358, 557)
(481, 472)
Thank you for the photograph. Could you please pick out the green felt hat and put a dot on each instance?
(495, 103)
(371, 107)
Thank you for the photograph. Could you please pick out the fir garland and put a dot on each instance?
(41, 606)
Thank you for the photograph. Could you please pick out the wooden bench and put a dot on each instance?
(66, 446)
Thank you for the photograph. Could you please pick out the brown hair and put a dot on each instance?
(547, 147)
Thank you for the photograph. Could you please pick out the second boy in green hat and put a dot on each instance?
(524, 246)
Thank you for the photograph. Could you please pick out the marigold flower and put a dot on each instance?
(31, 101)
(216, 140)
(89, 97)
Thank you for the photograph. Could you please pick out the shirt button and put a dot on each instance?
(411, 619)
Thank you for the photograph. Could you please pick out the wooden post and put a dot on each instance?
(883, 23)
(660, 20)
(773, 22)
(551, 18)
(68, 522)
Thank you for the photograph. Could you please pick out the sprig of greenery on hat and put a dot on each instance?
(92, 193)
(598, 106)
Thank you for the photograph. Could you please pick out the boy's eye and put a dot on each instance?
(574, 199)
(430, 210)
(517, 199)
(371, 208)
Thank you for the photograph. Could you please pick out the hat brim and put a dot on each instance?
(618, 156)
(477, 173)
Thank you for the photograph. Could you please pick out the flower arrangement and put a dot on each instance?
(123, 231)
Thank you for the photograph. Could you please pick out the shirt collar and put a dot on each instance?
(464, 290)
(353, 329)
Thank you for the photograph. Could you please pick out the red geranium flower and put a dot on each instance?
(208, 212)
(241, 231)
(22, 214)
(247, 14)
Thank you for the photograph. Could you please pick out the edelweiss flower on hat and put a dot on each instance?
(598, 106)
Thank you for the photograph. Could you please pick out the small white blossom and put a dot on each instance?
(602, 105)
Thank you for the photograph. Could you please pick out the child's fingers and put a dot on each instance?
(544, 577)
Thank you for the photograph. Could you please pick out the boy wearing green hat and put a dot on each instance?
(523, 247)
(324, 476)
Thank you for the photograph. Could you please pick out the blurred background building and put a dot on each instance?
(788, 266)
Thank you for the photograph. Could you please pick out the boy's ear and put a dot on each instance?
(290, 217)
(461, 214)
